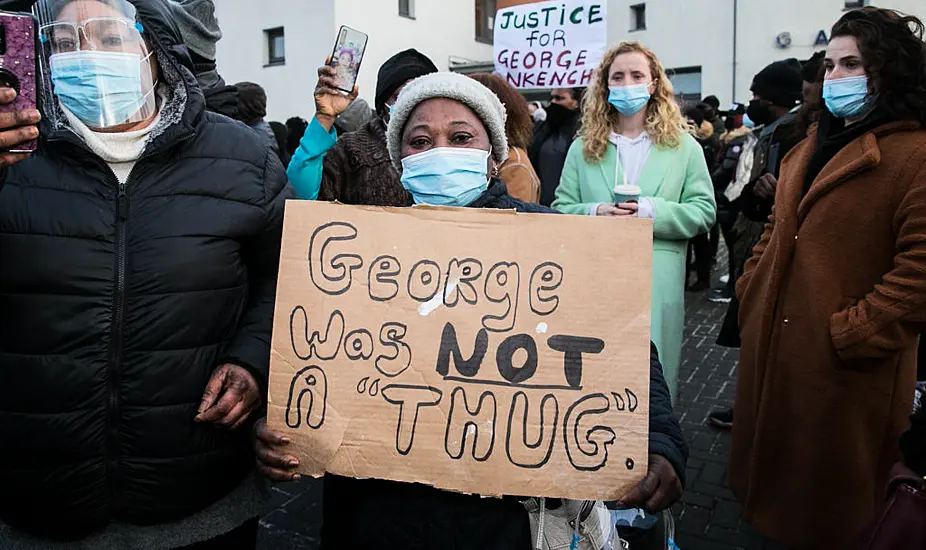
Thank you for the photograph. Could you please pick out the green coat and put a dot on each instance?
(680, 185)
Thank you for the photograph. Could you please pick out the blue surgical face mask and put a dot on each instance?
(628, 100)
(446, 176)
(747, 122)
(848, 97)
(102, 89)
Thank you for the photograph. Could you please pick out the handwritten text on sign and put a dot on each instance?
(464, 349)
(556, 44)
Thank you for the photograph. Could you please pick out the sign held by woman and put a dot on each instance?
(555, 44)
(468, 350)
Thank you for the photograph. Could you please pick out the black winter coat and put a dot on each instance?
(774, 143)
(548, 151)
(388, 515)
(913, 443)
(117, 302)
(497, 197)
(723, 175)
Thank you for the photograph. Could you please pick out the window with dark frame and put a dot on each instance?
(686, 82)
(852, 4)
(485, 20)
(407, 8)
(638, 17)
(276, 46)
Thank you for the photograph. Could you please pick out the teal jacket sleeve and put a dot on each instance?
(569, 193)
(696, 211)
(305, 169)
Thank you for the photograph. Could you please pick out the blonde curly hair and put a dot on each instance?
(664, 121)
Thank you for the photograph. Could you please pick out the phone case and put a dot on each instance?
(347, 57)
(18, 66)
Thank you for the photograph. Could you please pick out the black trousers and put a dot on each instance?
(700, 246)
(921, 365)
(242, 538)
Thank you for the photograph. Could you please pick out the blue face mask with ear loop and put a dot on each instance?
(446, 176)
(628, 100)
(848, 97)
(100, 88)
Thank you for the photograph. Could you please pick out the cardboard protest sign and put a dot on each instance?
(479, 351)
(555, 44)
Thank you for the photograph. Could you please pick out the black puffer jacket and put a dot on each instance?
(775, 141)
(117, 302)
(548, 150)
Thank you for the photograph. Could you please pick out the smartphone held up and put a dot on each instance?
(18, 34)
(347, 56)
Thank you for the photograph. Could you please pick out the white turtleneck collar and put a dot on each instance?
(120, 150)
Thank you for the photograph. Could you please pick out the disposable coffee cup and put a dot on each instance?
(626, 193)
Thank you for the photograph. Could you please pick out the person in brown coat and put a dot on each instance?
(517, 172)
(834, 297)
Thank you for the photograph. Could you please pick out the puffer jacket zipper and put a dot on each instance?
(114, 365)
(117, 334)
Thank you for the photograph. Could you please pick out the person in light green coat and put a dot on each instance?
(634, 140)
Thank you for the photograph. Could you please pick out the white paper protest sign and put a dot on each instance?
(555, 44)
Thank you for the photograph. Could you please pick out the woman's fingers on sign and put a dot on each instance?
(272, 462)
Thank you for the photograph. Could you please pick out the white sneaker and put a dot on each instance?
(724, 279)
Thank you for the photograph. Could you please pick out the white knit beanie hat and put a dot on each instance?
(474, 95)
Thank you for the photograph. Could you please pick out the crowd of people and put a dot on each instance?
(140, 246)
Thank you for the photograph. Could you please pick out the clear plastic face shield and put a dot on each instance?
(96, 62)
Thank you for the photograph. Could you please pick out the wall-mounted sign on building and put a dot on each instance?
(784, 40)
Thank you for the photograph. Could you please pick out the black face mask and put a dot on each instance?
(558, 116)
(759, 112)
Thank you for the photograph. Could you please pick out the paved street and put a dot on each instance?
(708, 518)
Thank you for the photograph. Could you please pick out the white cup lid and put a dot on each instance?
(627, 190)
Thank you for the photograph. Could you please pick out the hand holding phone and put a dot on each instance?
(16, 128)
(337, 79)
(18, 91)
(329, 100)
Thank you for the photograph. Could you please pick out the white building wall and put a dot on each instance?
(761, 22)
(683, 33)
(242, 53)
(686, 33)
(444, 30)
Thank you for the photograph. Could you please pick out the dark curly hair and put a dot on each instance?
(894, 57)
(519, 126)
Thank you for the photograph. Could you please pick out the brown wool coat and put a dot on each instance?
(519, 176)
(832, 303)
